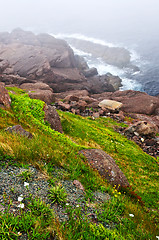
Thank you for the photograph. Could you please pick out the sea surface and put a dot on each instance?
(144, 54)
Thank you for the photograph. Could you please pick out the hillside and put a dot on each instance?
(48, 189)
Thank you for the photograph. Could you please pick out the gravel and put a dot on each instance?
(12, 187)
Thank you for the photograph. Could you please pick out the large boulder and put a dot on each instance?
(5, 99)
(110, 104)
(17, 129)
(52, 117)
(45, 95)
(35, 86)
(106, 166)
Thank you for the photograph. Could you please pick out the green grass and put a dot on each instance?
(49, 149)
(140, 168)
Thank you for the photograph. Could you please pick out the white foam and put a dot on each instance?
(80, 52)
(104, 68)
(130, 84)
(85, 38)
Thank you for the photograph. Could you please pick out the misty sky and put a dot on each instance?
(91, 17)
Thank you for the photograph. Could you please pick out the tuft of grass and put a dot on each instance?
(25, 175)
(57, 194)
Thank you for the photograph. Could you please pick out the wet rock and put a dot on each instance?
(106, 166)
(52, 117)
(17, 129)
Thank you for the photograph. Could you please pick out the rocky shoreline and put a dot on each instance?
(47, 69)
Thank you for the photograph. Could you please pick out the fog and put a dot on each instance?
(112, 19)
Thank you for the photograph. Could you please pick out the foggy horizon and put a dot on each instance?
(113, 19)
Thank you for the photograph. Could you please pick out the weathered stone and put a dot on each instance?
(77, 93)
(88, 99)
(90, 72)
(106, 166)
(70, 98)
(110, 104)
(5, 99)
(142, 128)
(81, 63)
(35, 86)
(78, 185)
(96, 114)
(52, 117)
(13, 79)
(45, 95)
(64, 106)
(17, 129)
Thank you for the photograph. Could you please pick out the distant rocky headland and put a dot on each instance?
(29, 58)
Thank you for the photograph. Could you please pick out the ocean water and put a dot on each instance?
(147, 59)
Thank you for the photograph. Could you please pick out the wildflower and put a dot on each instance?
(20, 199)
(157, 237)
(67, 204)
(26, 184)
(115, 195)
(131, 215)
(21, 205)
(77, 205)
(142, 139)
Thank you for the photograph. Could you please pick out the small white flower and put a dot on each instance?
(77, 205)
(21, 205)
(20, 199)
(26, 184)
(142, 139)
(157, 237)
(131, 215)
(67, 204)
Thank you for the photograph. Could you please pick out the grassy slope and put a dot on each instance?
(53, 148)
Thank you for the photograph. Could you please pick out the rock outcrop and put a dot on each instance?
(133, 101)
(5, 99)
(29, 58)
(39, 90)
(52, 117)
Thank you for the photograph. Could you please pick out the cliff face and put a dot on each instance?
(43, 58)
